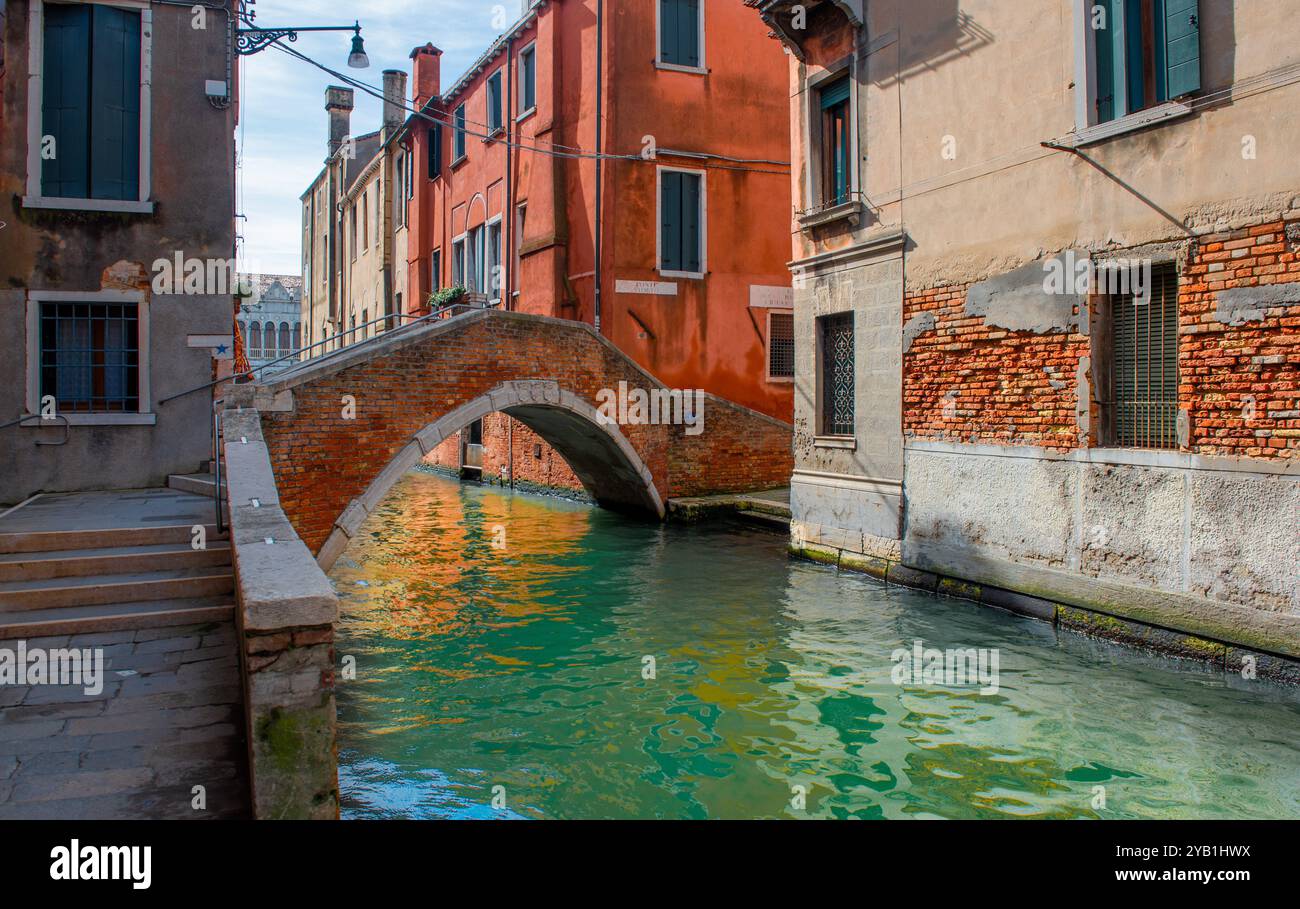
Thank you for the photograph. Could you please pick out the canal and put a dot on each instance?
(519, 656)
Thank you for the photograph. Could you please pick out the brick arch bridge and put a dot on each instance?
(341, 430)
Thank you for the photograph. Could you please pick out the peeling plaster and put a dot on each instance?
(915, 327)
(1019, 301)
(1240, 305)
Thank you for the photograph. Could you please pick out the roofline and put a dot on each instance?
(493, 51)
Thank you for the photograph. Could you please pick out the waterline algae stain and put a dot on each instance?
(513, 682)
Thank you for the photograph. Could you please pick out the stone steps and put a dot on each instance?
(32, 566)
(101, 538)
(93, 590)
(104, 617)
(201, 484)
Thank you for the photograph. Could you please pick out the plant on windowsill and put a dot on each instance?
(446, 297)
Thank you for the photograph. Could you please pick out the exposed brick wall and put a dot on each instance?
(323, 461)
(966, 381)
(1241, 384)
(1005, 387)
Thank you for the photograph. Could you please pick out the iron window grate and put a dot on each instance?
(780, 345)
(837, 374)
(1146, 364)
(90, 356)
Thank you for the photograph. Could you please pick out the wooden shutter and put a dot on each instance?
(670, 237)
(115, 104)
(691, 210)
(65, 105)
(1110, 57)
(688, 23)
(1182, 46)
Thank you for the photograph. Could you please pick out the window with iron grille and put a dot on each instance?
(1144, 364)
(90, 356)
(780, 345)
(837, 374)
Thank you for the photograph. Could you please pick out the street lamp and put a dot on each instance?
(251, 40)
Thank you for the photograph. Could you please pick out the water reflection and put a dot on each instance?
(522, 668)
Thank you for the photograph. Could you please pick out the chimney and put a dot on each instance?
(426, 79)
(338, 104)
(394, 100)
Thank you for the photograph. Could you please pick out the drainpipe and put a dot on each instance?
(508, 230)
(600, 58)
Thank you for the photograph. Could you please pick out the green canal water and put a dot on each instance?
(523, 666)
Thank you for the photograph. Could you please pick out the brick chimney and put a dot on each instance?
(394, 100)
(427, 69)
(338, 104)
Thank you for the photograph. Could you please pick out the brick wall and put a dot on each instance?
(965, 381)
(1240, 384)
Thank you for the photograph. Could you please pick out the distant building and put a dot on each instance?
(270, 320)
(115, 169)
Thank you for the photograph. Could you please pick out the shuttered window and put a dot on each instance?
(528, 80)
(835, 142)
(435, 151)
(1144, 364)
(1147, 52)
(780, 345)
(90, 104)
(680, 32)
(681, 243)
(494, 100)
(459, 121)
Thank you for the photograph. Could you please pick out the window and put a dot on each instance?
(365, 220)
(352, 233)
(379, 223)
(1144, 365)
(458, 263)
(495, 279)
(521, 215)
(780, 345)
(681, 33)
(399, 199)
(435, 271)
(255, 341)
(527, 79)
(90, 356)
(475, 266)
(365, 324)
(494, 101)
(458, 119)
(435, 151)
(837, 377)
(90, 104)
(681, 222)
(835, 142)
(410, 175)
(268, 340)
(1145, 52)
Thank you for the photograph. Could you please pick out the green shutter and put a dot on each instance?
(65, 105)
(1182, 46)
(668, 38)
(1109, 59)
(530, 80)
(688, 23)
(115, 104)
(670, 238)
(1134, 70)
(691, 222)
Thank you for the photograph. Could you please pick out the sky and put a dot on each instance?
(281, 133)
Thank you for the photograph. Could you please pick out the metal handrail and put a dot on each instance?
(216, 445)
(35, 416)
(438, 313)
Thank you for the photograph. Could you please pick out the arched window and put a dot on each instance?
(268, 339)
(286, 341)
(297, 337)
(255, 341)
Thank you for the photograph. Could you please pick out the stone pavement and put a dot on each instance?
(169, 718)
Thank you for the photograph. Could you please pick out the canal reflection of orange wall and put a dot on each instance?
(436, 538)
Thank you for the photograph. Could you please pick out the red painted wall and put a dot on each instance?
(706, 335)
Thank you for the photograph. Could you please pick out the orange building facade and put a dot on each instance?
(622, 164)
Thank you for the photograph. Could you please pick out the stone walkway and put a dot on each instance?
(169, 719)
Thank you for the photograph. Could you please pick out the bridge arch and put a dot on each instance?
(601, 456)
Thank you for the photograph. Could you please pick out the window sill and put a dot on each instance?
(496, 133)
(455, 165)
(1170, 110)
(92, 419)
(690, 275)
(679, 68)
(781, 380)
(850, 211)
(526, 114)
(119, 206)
(849, 443)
